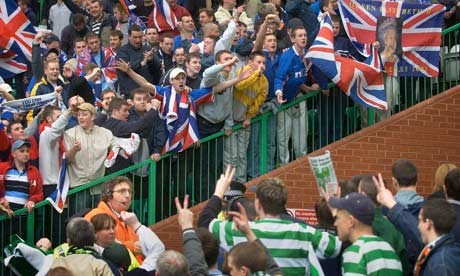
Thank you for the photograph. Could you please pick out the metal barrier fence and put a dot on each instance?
(306, 124)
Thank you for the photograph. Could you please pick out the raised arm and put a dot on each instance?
(193, 251)
(402, 219)
(259, 43)
(6, 95)
(225, 42)
(151, 245)
(214, 206)
(74, 8)
(140, 80)
(242, 76)
(242, 224)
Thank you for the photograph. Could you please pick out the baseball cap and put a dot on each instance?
(175, 72)
(236, 189)
(71, 63)
(358, 205)
(87, 107)
(19, 143)
(52, 50)
(118, 255)
(6, 87)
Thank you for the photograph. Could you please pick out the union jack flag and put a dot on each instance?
(11, 64)
(162, 17)
(16, 31)
(179, 112)
(363, 82)
(133, 18)
(420, 35)
(59, 197)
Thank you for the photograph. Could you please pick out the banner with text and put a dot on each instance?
(409, 34)
(30, 103)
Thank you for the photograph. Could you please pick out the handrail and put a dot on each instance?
(425, 85)
(451, 29)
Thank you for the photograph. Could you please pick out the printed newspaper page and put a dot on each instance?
(324, 172)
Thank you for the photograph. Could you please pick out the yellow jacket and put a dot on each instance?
(249, 95)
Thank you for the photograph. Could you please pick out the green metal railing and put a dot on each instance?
(320, 120)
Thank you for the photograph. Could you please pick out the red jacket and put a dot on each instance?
(164, 27)
(5, 148)
(35, 181)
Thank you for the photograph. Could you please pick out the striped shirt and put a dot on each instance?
(370, 255)
(16, 188)
(96, 27)
(294, 247)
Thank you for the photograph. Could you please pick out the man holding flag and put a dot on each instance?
(51, 143)
(165, 15)
(363, 82)
(290, 81)
(51, 152)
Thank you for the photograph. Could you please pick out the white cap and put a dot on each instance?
(7, 87)
(175, 72)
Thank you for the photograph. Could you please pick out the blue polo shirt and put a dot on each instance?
(271, 67)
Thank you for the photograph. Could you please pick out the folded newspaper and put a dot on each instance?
(324, 172)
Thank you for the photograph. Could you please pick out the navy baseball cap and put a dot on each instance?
(358, 205)
(51, 38)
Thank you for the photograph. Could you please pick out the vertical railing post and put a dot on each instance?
(30, 227)
(370, 116)
(263, 143)
(152, 193)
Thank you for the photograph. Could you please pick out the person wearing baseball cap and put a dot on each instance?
(368, 254)
(5, 92)
(87, 147)
(21, 184)
(20, 187)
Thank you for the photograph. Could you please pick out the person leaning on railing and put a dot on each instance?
(20, 185)
(290, 80)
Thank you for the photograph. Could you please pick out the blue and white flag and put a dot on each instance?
(59, 197)
(30, 103)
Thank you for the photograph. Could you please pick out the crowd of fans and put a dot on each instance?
(363, 229)
(125, 94)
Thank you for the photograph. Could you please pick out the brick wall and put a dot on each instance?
(428, 134)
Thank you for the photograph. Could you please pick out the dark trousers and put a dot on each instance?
(332, 116)
(209, 159)
(49, 222)
(173, 179)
